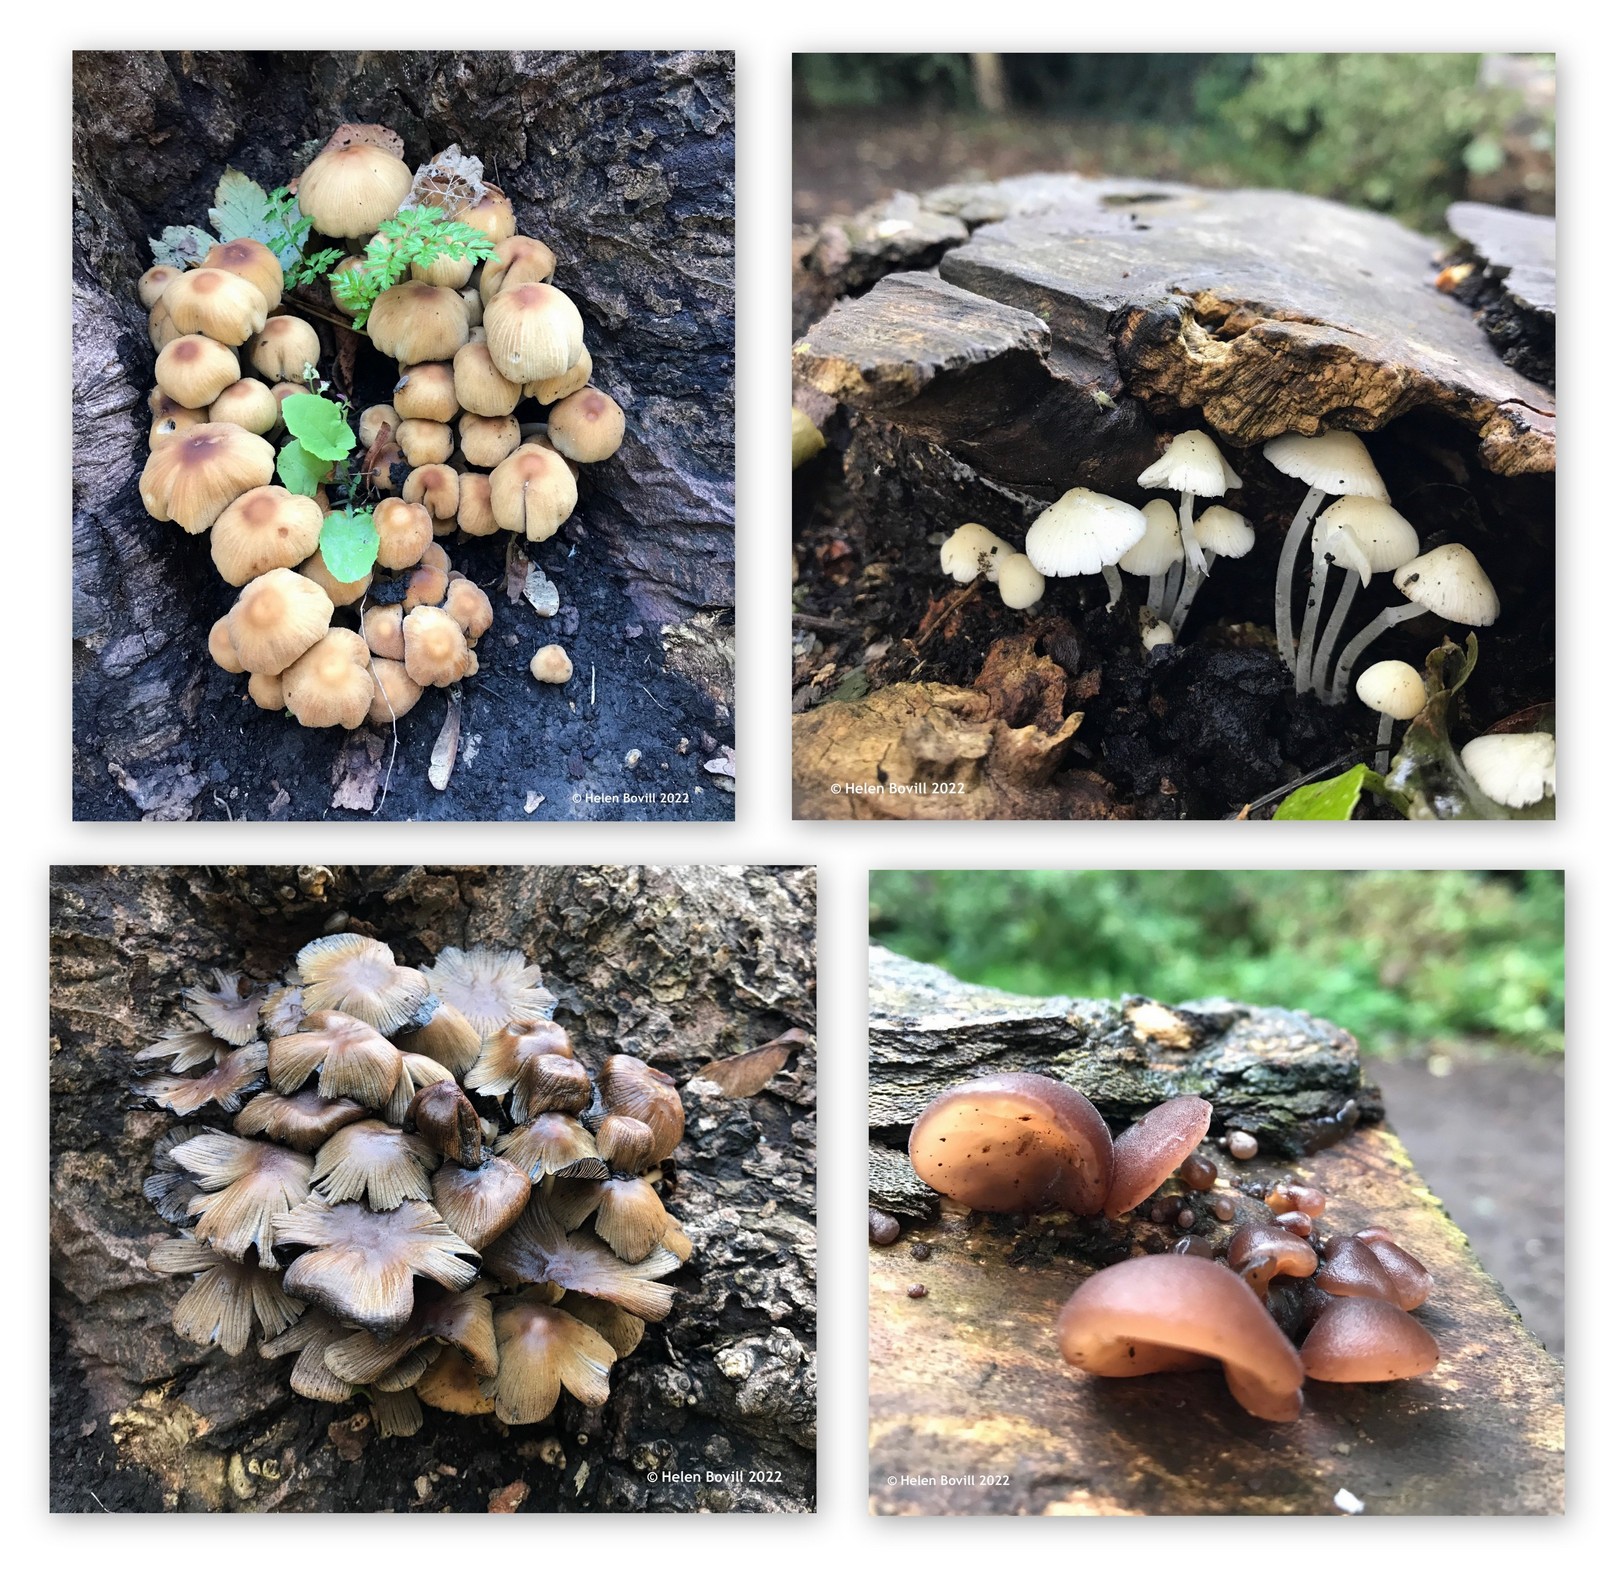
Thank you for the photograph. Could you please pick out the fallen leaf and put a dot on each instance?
(443, 759)
(751, 1071)
(533, 800)
(366, 132)
(723, 764)
(517, 565)
(358, 771)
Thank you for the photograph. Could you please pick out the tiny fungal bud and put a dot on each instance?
(1197, 1172)
(1241, 1145)
(916, 1290)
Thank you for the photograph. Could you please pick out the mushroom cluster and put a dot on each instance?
(1356, 532)
(491, 415)
(405, 1179)
(1273, 1300)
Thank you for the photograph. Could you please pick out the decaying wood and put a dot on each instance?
(972, 1410)
(1512, 283)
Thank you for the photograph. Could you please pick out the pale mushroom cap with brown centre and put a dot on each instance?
(1170, 1312)
(467, 605)
(516, 261)
(277, 617)
(356, 1061)
(215, 303)
(480, 387)
(427, 390)
(358, 976)
(1147, 1153)
(380, 626)
(196, 476)
(194, 370)
(1367, 1339)
(373, 1160)
(264, 528)
(436, 486)
(551, 664)
(586, 426)
(417, 323)
(249, 404)
(487, 442)
(155, 281)
(475, 507)
(394, 693)
(220, 646)
(533, 332)
(548, 1144)
(533, 492)
(1012, 1143)
(424, 441)
(255, 261)
(405, 530)
(351, 191)
(331, 683)
(283, 348)
(224, 1085)
(436, 648)
(492, 214)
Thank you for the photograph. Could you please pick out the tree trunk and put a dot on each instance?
(676, 965)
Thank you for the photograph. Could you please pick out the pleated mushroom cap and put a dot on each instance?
(197, 475)
(304, 1120)
(254, 261)
(558, 387)
(622, 1330)
(427, 390)
(247, 403)
(632, 1088)
(1367, 1339)
(1147, 1153)
(230, 1011)
(587, 426)
(541, 1350)
(435, 487)
(226, 1300)
(481, 1204)
(1012, 1143)
(283, 347)
(277, 617)
(516, 261)
(491, 989)
(358, 976)
(1171, 1312)
(417, 323)
(475, 510)
(480, 387)
(463, 1321)
(1159, 547)
(448, 1037)
(351, 191)
(215, 303)
(437, 654)
(185, 1048)
(532, 492)
(1335, 462)
(533, 332)
(1516, 769)
(224, 1085)
(248, 1183)
(375, 1161)
(264, 528)
(550, 1082)
(331, 683)
(354, 1059)
(1083, 532)
(549, 1144)
(625, 1144)
(629, 1217)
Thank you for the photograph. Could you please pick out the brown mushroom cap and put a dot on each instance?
(427, 390)
(436, 648)
(1263, 1251)
(249, 404)
(1147, 1153)
(1366, 1339)
(436, 486)
(331, 683)
(405, 530)
(1412, 1281)
(548, 392)
(303, 1121)
(197, 475)
(394, 693)
(547, 1081)
(194, 370)
(255, 261)
(632, 1088)
(380, 626)
(356, 1062)
(625, 1144)
(491, 214)
(351, 191)
(504, 1053)
(357, 976)
(586, 426)
(417, 323)
(447, 1037)
(630, 1218)
(264, 528)
(516, 261)
(541, 1350)
(533, 332)
(215, 303)
(551, 1143)
(277, 617)
(442, 1114)
(1351, 1269)
(1015, 1142)
(487, 442)
(1168, 1312)
(451, 1385)
(283, 348)
(266, 690)
(480, 1203)
(480, 387)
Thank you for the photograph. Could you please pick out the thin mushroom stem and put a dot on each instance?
(1158, 594)
(1304, 652)
(1170, 583)
(1322, 665)
(1192, 579)
(1385, 732)
(1292, 541)
(1113, 585)
(1191, 545)
(1363, 640)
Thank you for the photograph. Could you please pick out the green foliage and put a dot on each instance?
(1393, 132)
(349, 544)
(1335, 799)
(1391, 955)
(299, 472)
(415, 236)
(322, 439)
(242, 207)
(834, 82)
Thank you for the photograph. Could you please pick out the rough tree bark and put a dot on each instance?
(677, 965)
(623, 164)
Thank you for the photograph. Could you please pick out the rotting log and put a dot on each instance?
(676, 965)
(971, 1408)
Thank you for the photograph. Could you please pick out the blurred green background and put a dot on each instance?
(1406, 134)
(1397, 957)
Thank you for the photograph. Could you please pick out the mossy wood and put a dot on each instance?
(972, 1410)
(676, 965)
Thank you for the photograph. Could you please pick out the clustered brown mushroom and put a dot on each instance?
(491, 416)
(1020, 1143)
(351, 1190)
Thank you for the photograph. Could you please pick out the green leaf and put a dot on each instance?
(242, 208)
(349, 545)
(301, 472)
(181, 246)
(319, 425)
(1330, 800)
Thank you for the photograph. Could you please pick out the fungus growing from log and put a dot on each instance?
(197, 475)
(351, 191)
(1154, 555)
(1367, 1339)
(1261, 1252)
(1013, 1143)
(1515, 769)
(1147, 1153)
(551, 664)
(277, 617)
(1168, 1312)
(1020, 582)
(586, 426)
(1085, 532)
(972, 552)
(1219, 532)
(1395, 691)
(1191, 465)
(264, 528)
(215, 303)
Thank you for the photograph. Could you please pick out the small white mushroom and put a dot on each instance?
(972, 552)
(1514, 769)
(1362, 536)
(1397, 692)
(1021, 583)
(1085, 532)
(1192, 465)
(1219, 532)
(1157, 554)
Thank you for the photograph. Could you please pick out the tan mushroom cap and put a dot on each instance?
(221, 647)
(1015, 1142)
(249, 404)
(550, 1143)
(162, 329)
(559, 386)
(427, 390)
(351, 191)
(248, 1183)
(446, 270)
(215, 303)
(423, 441)
(193, 478)
(632, 1088)
(303, 1121)
(226, 1299)
(532, 492)
(374, 1161)
(467, 605)
(330, 684)
(352, 1059)
(551, 664)
(436, 648)
(625, 1144)
(1366, 1339)
(492, 214)
(475, 506)
(442, 1114)
(264, 528)
(224, 1084)
(394, 694)
(373, 419)
(480, 387)
(277, 617)
(533, 332)
(516, 261)
(1147, 1153)
(380, 627)
(359, 978)
(447, 1037)
(341, 593)
(155, 281)
(266, 691)
(283, 348)
(254, 261)
(487, 442)
(482, 1203)
(176, 421)
(451, 1385)
(194, 370)
(505, 1051)
(427, 585)
(541, 1350)
(436, 486)
(405, 530)
(587, 426)
(547, 1081)
(1263, 1250)
(417, 323)
(1169, 1312)
(630, 1219)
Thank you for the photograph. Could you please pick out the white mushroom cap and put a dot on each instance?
(1393, 688)
(1450, 583)
(972, 552)
(1364, 535)
(1156, 634)
(1021, 582)
(1083, 532)
(1192, 465)
(1224, 533)
(1337, 463)
(1513, 768)
(1161, 545)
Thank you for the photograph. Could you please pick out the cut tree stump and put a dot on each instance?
(971, 1407)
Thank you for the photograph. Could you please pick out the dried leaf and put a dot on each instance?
(517, 565)
(346, 342)
(443, 760)
(532, 801)
(358, 772)
(181, 246)
(450, 181)
(722, 765)
(370, 132)
(751, 1071)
